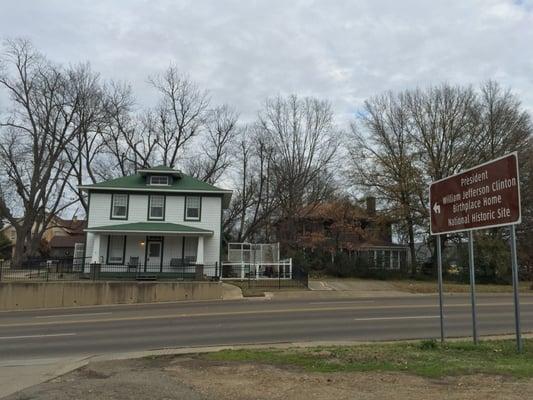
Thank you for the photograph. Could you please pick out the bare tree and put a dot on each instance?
(178, 117)
(444, 127)
(217, 145)
(381, 160)
(160, 135)
(33, 137)
(404, 141)
(254, 204)
(126, 141)
(303, 138)
(284, 161)
(85, 151)
(504, 125)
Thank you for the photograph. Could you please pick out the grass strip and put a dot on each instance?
(425, 358)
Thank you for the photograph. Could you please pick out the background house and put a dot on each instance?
(59, 238)
(341, 226)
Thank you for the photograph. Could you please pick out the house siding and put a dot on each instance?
(211, 212)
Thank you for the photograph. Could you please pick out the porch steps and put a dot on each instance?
(146, 277)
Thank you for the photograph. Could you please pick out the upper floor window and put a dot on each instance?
(156, 207)
(158, 180)
(119, 206)
(193, 206)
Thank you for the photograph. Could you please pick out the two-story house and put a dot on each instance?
(155, 220)
(342, 226)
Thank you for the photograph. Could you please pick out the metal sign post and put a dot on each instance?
(514, 264)
(439, 271)
(472, 284)
(485, 196)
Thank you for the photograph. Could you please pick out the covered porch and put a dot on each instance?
(148, 247)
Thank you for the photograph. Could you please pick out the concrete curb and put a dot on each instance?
(231, 292)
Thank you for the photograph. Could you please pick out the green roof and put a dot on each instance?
(149, 227)
(161, 168)
(137, 181)
(180, 183)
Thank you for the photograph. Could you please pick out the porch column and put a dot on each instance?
(95, 257)
(200, 251)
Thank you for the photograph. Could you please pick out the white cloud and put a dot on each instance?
(244, 51)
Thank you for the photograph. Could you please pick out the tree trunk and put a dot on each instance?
(21, 253)
(412, 249)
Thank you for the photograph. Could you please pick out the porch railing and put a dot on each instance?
(74, 269)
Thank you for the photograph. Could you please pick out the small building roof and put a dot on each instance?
(72, 226)
(159, 170)
(66, 241)
(150, 228)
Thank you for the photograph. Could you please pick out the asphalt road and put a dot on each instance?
(111, 329)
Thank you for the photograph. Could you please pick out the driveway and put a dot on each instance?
(358, 286)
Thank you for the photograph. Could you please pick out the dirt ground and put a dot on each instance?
(172, 377)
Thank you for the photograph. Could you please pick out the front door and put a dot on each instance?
(153, 255)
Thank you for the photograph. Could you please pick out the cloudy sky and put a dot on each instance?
(244, 51)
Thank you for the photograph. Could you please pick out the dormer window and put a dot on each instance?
(160, 180)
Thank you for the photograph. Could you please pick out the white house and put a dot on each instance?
(154, 220)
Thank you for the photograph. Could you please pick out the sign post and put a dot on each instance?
(472, 284)
(439, 272)
(516, 288)
(485, 196)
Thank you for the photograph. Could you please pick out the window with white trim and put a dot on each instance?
(115, 253)
(158, 180)
(192, 208)
(119, 206)
(157, 207)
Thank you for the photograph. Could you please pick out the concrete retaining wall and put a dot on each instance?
(25, 295)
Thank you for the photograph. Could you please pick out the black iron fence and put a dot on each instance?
(274, 275)
(75, 269)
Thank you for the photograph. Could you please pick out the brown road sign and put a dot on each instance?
(482, 197)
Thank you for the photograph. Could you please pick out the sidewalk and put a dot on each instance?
(341, 288)
(20, 374)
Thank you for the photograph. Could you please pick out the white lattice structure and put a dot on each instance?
(253, 252)
(255, 261)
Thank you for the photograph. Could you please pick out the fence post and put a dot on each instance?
(1, 269)
(279, 275)
(290, 268)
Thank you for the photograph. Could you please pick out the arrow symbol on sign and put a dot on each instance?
(436, 208)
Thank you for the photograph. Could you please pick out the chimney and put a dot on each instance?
(371, 205)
